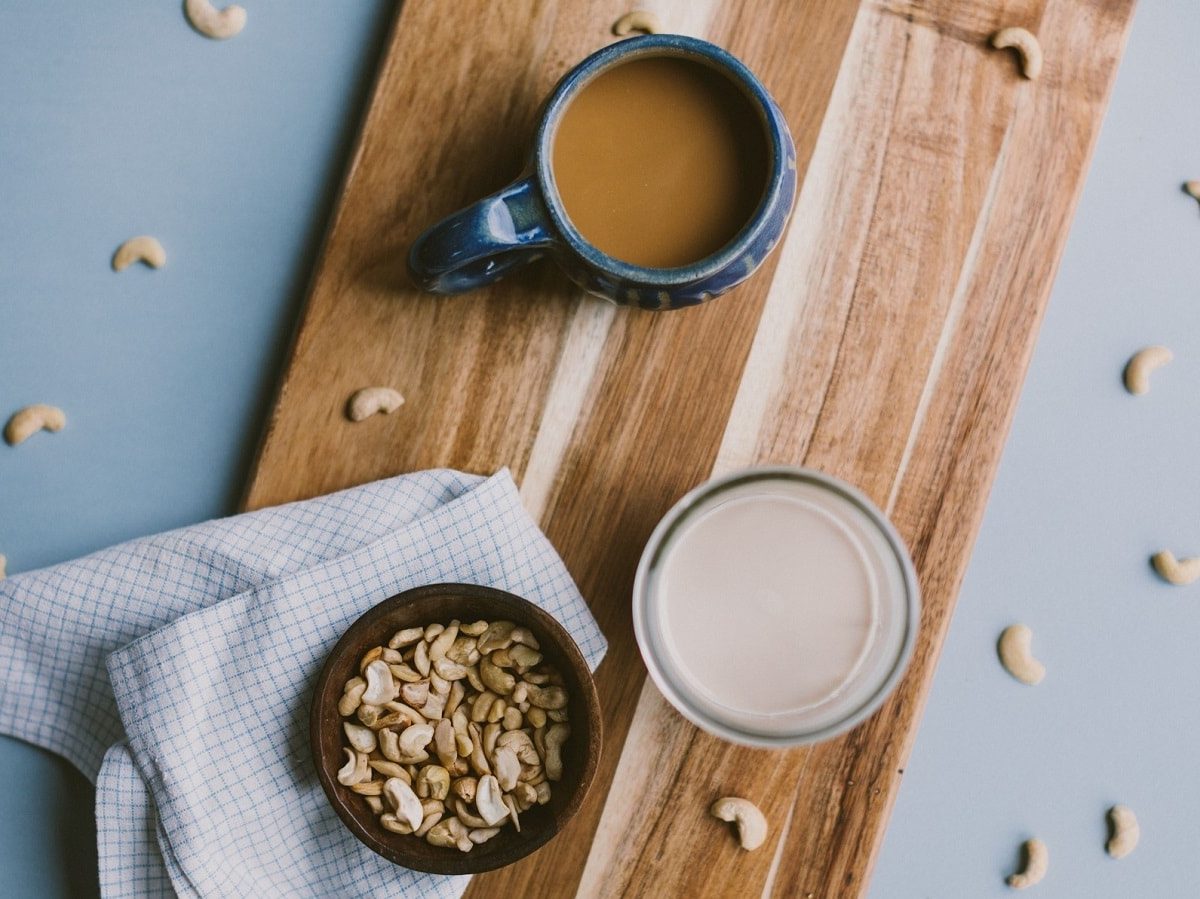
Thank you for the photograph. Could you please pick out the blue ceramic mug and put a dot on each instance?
(527, 220)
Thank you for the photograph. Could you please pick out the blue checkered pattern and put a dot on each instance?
(212, 636)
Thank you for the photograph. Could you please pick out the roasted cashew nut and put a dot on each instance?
(495, 678)
(457, 694)
(524, 656)
(490, 800)
(556, 735)
(1017, 657)
(355, 770)
(212, 22)
(389, 745)
(371, 401)
(525, 795)
(1141, 364)
(638, 20)
(1027, 46)
(368, 788)
(1179, 572)
(497, 636)
(412, 744)
(483, 834)
(444, 743)
(405, 802)
(139, 249)
(507, 768)
(450, 833)
(433, 782)
(745, 815)
(449, 670)
(390, 769)
(406, 637)
(464, 788)
(442, 642)
(415, 693)
(466, 816)
(351, 696)
(361, 738)
(28, 421)
(1124, 831)
(521, 744)
(433, 813)
(381, 687)
(1037, 860)
(478, 759)
(548, 698)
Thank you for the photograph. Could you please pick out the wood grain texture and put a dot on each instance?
(885, 342)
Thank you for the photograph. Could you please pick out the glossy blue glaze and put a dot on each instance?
(526, 220)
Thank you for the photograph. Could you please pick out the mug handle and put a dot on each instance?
(480, 244)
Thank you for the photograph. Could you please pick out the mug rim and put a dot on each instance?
(644, 627)
(612, 55)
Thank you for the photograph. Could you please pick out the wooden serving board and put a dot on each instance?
(884, 342)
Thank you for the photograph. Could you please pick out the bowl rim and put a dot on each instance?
(460, 862)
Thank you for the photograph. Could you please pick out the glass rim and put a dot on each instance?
(699, 500)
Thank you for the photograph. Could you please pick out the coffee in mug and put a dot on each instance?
(660, 161)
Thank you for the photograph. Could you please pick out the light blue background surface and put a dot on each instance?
(117, 119)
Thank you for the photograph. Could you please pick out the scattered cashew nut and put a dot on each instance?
(3, 567)
(1016, 656)
(1180, 572)
(1125, 831)
(642, 20)
(139, 249)
(1192, 189)
(1026, 44)
(28, 421)
(373, 400)
(745, 815)
(1037, 860)
(1141, 364)
(219, 24)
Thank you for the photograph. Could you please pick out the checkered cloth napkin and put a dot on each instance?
(176, 671)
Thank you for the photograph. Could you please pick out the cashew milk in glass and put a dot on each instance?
(775, 606)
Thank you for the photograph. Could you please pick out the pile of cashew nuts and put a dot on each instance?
(454, 730)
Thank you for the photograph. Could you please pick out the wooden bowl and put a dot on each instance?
(442, 603)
